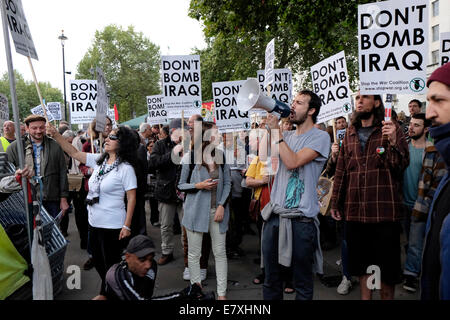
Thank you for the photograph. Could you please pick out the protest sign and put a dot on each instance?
(39, 111)
(20, 31)
(444, 50)
(228, 116)
(280, 89)
(330, 83)
(83, 97)
(102, 101)
(111, 115)
(393, 47)
(181, 82)
(55, 110)
(156, 111)
(208, 111)
(340, 134)
(270, 64)
(4, 109)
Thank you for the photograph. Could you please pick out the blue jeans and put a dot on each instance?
(415, 247)
(304, 243)
(52, 207)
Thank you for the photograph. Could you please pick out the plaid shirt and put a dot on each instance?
(367, 186)
(433, 170)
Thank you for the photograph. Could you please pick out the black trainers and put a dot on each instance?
(410, 283)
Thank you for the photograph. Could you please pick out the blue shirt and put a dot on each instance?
(37, 148)
(411, 176)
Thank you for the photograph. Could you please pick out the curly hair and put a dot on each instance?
(128, 145)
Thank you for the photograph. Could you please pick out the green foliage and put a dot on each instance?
(27, 97)
(131, 66)
(305, 32)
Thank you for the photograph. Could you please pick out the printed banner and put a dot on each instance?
(83, 97)
(228, 116)
(393, 47)
(182, 87)
(330, 83)
(156, 111)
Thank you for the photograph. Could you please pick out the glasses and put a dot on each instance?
(113, 137)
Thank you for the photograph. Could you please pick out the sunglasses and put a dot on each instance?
(113, 137)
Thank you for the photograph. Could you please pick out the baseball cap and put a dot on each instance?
(141, 246)
(176, 124)
(441, 74)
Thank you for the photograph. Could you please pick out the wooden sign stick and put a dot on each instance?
(37, 88)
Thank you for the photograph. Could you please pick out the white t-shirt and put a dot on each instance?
(110, 212)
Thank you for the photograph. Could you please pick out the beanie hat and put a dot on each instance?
(441, 74)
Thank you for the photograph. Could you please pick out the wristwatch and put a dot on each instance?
(282, 140)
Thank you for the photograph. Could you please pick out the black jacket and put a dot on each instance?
(167, 172)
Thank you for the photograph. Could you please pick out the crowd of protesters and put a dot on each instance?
(390, 180)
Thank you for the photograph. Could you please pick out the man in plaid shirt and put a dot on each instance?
(367, 194)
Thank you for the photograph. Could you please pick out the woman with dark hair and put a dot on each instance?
(206, 208)
(113, 177)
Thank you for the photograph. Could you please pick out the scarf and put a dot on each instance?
(93, 196)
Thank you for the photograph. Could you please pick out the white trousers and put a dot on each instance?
(218, 247)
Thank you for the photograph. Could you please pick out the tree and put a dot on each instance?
(131, 65)
(305, 32)
(27, 97)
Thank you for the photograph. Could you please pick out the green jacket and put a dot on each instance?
(53, 167)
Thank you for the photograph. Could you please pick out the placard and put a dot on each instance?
(18, 26)
(270, 64)
(280, 89)
(393, 47)
(330, 83)
(39, 111)
(157, 114)
(4, 109)
(102, 101)
(228, 116)
(181, 83)
(444, 48)
(55, 110)
(83, 97)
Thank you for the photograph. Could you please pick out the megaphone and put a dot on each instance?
(251, 97)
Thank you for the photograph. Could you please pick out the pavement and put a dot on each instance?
(241, 272)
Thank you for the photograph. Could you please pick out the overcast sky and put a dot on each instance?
(164, 22)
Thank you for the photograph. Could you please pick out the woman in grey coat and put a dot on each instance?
(206, 209)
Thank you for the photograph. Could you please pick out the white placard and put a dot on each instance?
(4, 109)
(18, 26)
(444, 48)
(83, 97)
(55, 110)
(280, 89)
(393, 47)
(39, 111)
(330, 83)
(102, 101)
(156, 111)
(112, 116)
(270, 64)
(182, 87)
(228, 116)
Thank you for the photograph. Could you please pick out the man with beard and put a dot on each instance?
(418, 127)
(291, 216)
(47, 159)
(435, 280)
(366, 193)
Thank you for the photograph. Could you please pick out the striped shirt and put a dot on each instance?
(367, 184)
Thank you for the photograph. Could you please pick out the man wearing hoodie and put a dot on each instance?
(435, 281)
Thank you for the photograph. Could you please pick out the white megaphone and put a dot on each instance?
(250, 97)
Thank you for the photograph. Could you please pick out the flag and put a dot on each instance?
(116, 113)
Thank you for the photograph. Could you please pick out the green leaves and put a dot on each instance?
(131, 65)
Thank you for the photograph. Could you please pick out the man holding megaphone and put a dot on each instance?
(290, 232)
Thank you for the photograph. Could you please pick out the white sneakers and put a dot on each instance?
(203, 273)
(187, 274)
(345, 286)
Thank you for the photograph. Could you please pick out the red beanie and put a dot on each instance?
(441, 74)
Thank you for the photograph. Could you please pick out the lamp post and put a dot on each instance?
(63, 39)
